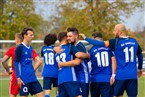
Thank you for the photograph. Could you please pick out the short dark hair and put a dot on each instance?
(74, 30)
(97, 34)
(50, 39)
(24, 31)
(61, 35)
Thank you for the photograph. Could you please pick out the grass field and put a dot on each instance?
(4, 88)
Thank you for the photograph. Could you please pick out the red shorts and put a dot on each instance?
(14, 88)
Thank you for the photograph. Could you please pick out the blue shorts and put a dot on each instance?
(84, 89)
(101, 89)
(130, 85)
(69, 89)
(48, 81)
(32, 88)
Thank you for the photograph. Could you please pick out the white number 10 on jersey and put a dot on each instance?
(102, 58)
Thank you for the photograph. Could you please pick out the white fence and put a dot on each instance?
(9, 43)
(37, 44)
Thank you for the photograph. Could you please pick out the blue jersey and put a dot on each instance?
(82, 70)
(66, 74)
(100, 58)
(125, 50)
(50, 68)
(23, 63)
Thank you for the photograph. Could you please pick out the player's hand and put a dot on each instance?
(82, 35)
(112, 80)
(57, 49)
(20, 82)
(88, 55)
(10, 72)
(60, 64)
(139, 73)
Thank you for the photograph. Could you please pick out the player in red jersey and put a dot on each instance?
(14, 88)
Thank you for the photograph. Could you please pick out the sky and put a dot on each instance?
(135, 22)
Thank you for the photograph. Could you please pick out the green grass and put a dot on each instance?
(4, 88)
(141, 89)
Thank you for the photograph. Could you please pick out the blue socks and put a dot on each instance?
(47, 95)
(57, 95)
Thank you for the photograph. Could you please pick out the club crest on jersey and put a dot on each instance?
(26, 52)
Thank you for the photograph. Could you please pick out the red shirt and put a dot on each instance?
(11, 53)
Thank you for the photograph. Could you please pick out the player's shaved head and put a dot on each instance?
(119, 30)
(121, 27)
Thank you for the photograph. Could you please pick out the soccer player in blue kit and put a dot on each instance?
(103, 69)
(67, 81)
(50, 68)
(82, 70)
(125, 49)
(25, 72)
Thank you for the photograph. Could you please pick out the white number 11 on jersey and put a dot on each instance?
(129, 54)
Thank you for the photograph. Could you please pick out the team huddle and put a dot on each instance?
(65, 65)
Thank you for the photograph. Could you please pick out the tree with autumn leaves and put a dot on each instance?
(17, 14)
(95, 15)
(86, 15)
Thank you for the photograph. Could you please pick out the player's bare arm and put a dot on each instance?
(57, 49)
(20, 82)
(38, 62)
(5, 65)
(74, 62)
(112, 79)
(140, 72)
(82, 35)
(82, 55)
